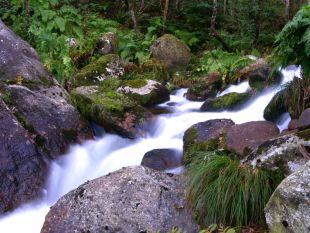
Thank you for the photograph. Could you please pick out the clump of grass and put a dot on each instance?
(221, 190)
(297, 96)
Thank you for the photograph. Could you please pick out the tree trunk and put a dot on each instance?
(132, 11)
(165, 15)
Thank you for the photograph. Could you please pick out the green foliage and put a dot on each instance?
(228, 64)
(293, 43)
(222, 190)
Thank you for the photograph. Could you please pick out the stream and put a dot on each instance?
(109, 152)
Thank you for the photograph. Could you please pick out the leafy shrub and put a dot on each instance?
(222, 190)
(228, 64)
(293, 43)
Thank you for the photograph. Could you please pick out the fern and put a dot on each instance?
(293, 43)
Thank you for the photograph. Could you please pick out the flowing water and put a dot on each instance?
(108, 153)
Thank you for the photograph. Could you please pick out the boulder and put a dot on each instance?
(162, 159)
(38, 122)
(133, 199)
(107, 66)
(244, 138)
(19, 61)
(107, 43)
(304, 120)
(276, 107)
(53, 123)
(206, 88)
(288, 210)
(204, 136)
(281, 154)
(114, 111)
(260, 78)
(23, 168)
(230, 101)
(145, 92)
(171, 52)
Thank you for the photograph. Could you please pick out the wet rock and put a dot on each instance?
(171, 52)
(244, 138)
(260, 78)
(146, 92)
(114, 111)
(107, 43)
(276, 107)
(288, 210)
(23, 168)
(162, 159)
(206, 87)
(229, 101)
(107, 66)
(133, 199)
(304, 120)
(280, 154)
(204, 136)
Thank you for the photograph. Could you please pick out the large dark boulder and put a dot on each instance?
(162, 159)
(133, 199)
(288, 210)
(204, 136)
(260, 78)
(23, 168)
(244, 138)
(172, 52)
(44, 121)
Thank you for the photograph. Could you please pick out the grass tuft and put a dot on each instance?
(221, 190)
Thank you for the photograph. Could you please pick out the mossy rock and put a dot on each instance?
(106, 66)
(202, 91)
(229, 101)
(172, 52)
(204, 136)
(276, 107)
(113, 111)
(145, 92)
(260, 78)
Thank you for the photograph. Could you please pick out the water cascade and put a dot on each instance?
(98, 157)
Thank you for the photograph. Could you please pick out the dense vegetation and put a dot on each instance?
(51, 23)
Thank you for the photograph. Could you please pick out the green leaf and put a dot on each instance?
(61, 23)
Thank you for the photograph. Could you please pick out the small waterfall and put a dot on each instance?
(98, 157)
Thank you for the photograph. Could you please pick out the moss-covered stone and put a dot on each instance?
(114, 111)
(172, 52)
(276, 107)
(98, 71)
(204, 136)
(145, 92)
(229, 101)
(260, 78)
(136, 83)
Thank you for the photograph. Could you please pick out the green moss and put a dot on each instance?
(136, 83)
(227, 102)
(275, 107)
(89, 74)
